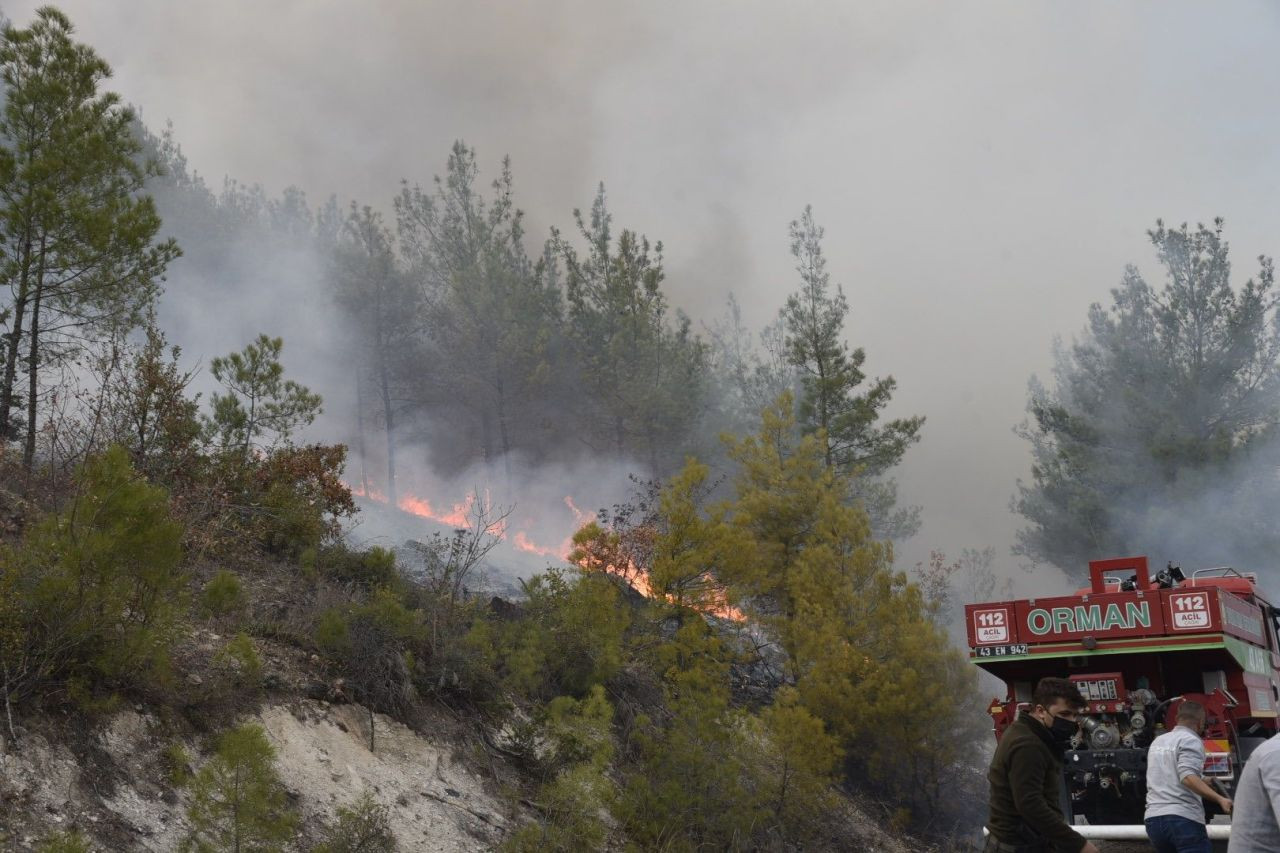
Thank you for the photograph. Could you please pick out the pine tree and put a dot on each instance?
(801, 760)
(831, 375)
(808, 554)
(97, 587)
(79, 253)
(492, 317)
(691, 544)
(388, 311)
(237, 802)
(858, 638)
(260, 402)
(1166, 409)
(643, 377)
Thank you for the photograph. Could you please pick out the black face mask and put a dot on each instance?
(1063, 730)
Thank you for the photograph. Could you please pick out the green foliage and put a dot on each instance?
(71, 841)
(799, 762)
(861, 645)
(260, 403)
(223, 594)
(368, 569)
(99, 591)
(373, 644)
(691, 544)
(572, 805)
(571, 636)
(910, 754)
(832, 407)
(579, 729)
(580, 746)
(332, 634)
(242, 660)
(643, 377)
(690, 787)
(176, 762)
(1163, 410)
(362, 827)
(79, 259)
(237, 801)
(806, 558)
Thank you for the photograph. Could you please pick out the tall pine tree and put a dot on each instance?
(1158, 434)
(642, 376)
(79, 250)
(834, 402)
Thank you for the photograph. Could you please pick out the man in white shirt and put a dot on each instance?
(1175, 809)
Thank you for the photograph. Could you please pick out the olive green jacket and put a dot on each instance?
(1026, 780)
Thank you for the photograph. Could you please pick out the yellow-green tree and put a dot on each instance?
(691, 786)
(862, 653)
(571, 636)
(806, 564)
(799, 762)
(579, 743)
(237, 801)
(692, 544)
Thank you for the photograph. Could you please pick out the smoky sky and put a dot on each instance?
(984, 170)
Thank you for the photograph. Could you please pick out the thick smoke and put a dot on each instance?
(983, 171)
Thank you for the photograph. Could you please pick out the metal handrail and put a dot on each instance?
(1226, 571)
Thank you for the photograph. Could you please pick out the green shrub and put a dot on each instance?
(223, 594)
(569, 639)
(362, 827)
(301, 498)
(240, 656)
(333, 635)
(70, 841)
(572, 806)
(237, 801)
(578, 734)
(99, 584)
(370, 570)
(176, 762)
(373, 644)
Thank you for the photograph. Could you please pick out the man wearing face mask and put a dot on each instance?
(1175, 808)
(1026, 776)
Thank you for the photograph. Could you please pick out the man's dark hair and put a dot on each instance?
(1049, 690)
(1191, 712)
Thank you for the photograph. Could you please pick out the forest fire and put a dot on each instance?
(461, 514)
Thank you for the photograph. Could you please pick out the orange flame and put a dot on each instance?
(522, 542)
(459, 515)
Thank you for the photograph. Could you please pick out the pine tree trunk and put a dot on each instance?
(503, 432)
(360, 445)
(15, 339)
(33, 376)
(388, 418)
(486, 436)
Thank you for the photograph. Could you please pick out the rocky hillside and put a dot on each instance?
(114, 782)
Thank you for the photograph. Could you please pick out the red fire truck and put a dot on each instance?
(1136, 647)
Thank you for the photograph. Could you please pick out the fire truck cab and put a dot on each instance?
(1137, 647)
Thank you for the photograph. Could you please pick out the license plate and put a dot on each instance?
(1002, 651)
